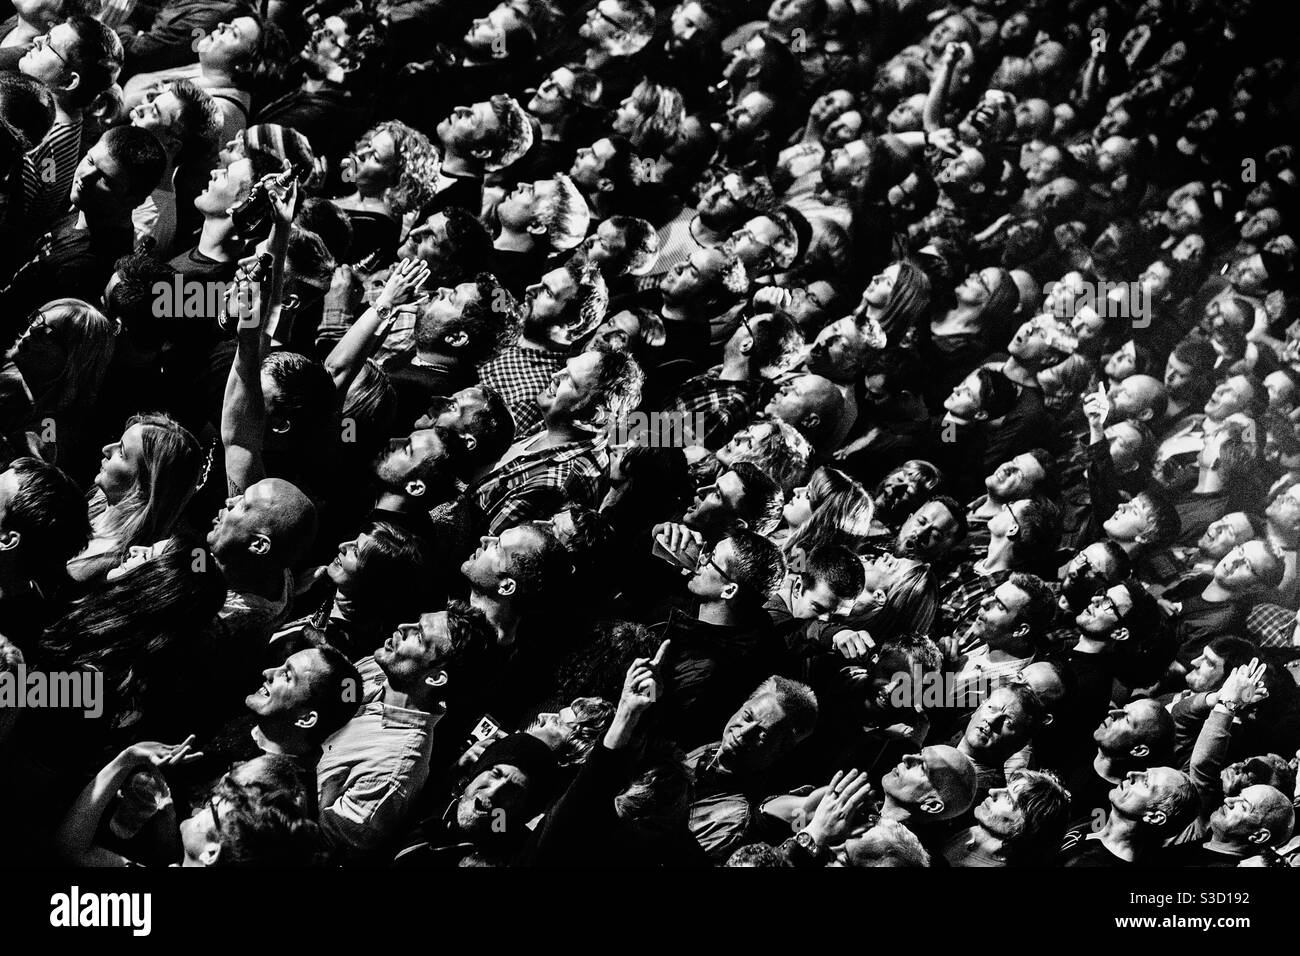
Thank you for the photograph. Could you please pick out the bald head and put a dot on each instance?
(810, 403)
(952, 774)
(1261, 815)
(290, 518)
(1139, 398)
(271, 524)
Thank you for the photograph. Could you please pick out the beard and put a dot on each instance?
(893, 504)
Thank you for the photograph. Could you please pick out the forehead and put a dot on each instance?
(584, 366)
(1010, 595)
(730, 485)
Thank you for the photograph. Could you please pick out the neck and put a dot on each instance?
(421, 697)
(267, 582)
(216, 75)
(998, 557)
(555, 131)
(890, 810)
(216, 232)
(435, 357)
(716, 612)
(561, 432)
(1216, 593)
(991, 506)
(1107, 767)
(511, 241)
(987, 842)
(962, 318)
(500, 614)
(1218, 845)
(1089, 645)
(526, 343)
(63, 113)
(1020, 374)
(390, 500)
(278, 740)
(454, 164)
(735, 368)
(1208, 481)
(1282, 537)
(674, 313)
(596, 58)
(1120, 835)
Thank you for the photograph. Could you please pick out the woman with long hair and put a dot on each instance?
(650, 117)
(52, 374)
(978, 322)
(898, 297)
(145, 480)
(841, 511)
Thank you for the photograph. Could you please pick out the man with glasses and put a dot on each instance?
(164, 36)
(613, 35)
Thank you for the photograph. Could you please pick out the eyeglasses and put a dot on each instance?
(706, 557)
(596, 11)
(43, 41)
(549, 87)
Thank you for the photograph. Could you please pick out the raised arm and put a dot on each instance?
(367, 333)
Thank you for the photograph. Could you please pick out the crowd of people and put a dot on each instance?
(832, 433)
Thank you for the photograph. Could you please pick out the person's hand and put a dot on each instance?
(950, 648)
(803, 812)
(852, 645)
(680, 540)
(155, 754)
(471, 756)
(403, 283)
(1244, 686)
(244, 300)
(284, 201)
(835, 815)
(644, 683)
(775, 296)
(1096, 408)
(944, 140)
(1172, 608)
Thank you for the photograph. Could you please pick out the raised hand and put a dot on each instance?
(853, 645)
(836, 814)
(404, 282)
(1244, 686)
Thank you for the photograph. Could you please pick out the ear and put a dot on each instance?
(797, 588)
(812, 420)
(279, 426)
(536, 228)
(1156, 818)
(981, 416)
(506, 587)
(437, 679)
(879, 597)
(74, 81)
(932, 805)
(741, 523)
(605, 185)
(210, 853)
(1146, 416)
(1143, 537)
(1021, 632)
(415, 488)
(1141, 750)
(1119, 634)
(470, 442)
(308, 721)
(1048, 717)
(1261, 837)
(1013, 531)
(457, 340)
(745, 349)
(260, 544)
(729, 591)
(481, 154)
(976, 188)
(10, 540)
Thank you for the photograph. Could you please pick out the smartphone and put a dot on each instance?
(677, 559)
(486, 729)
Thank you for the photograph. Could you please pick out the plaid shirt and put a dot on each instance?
(1270, 625)
(537, 484)
(961, 593)
(726, 406)
(520, 375)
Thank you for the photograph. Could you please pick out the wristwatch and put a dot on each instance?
(810, 846)
(383, 311)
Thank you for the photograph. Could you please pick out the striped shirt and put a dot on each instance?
(47, 176)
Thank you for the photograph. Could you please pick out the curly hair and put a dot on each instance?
(515, 135)
(661, 111)
(564, 214)
(265, 824)
(418, 165)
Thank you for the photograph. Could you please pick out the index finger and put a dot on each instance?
(659, 655)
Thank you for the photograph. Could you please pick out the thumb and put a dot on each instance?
(659, 655)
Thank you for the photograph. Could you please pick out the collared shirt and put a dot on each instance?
(720, 814)
(980, 675)
(520, 375)
(374, 767)
(1270, 625)
(537, 484)
(726, 406)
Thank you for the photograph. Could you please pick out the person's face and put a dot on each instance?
(496, 555)
(483, 33)
(454, 414)
(809, 303)
(744, 443)
(1123, 728)
(977, 287)
(906, 116)
(286, 690)
(1207, 671)
(1142, 791)
(1122, 363)
(404, 455)
(1001, 611)
(838, 351)
(928, 532)
(881, 287)
(999, 813)
(571, 388)
(556, 729)
(716, 503)
(691, 26)
(589, 164)
(1088, 326)
(1242, 815)
(1016, 478)
(622, 330)
(1223, 314)
(998, 725)
(428, 241)
(1239, 569)
(795, 400)
(749, 116)
(843, 130)
(755, 737)
(830, 105)
(1261, 225)
(964, 402)
(606, 21)
(1283, 512)
(415, 648)
(347, 563)
(1125, 443)
(231, 42)
(1031, 343)
(1181, 215)
(963, 170)
(122, 464)
(909, 782)
(47, 60)
(41, 352)
(225, 188)
(1240, 774)
(547, 300)
(1178, 376)
(1047, 58)
(798, 509)
(375, 164)
(158, 114)
(1105, 611)
(607, 244)
(951, 29)
(1230, 397)
(1131, 520)
(692, 278)
(200, 834)
(1247, 275)
(883, 571)
(518, 210)
(753, 242)
(1226, 533)
(817, 602)
(241, 519)
(467, 126)
(1189, 249)
(99, 182)
(499, 793)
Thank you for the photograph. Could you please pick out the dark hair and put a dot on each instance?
(490, 323)
(370, 406)
(492, 426)
(49, 511)
(838, 567)
(538, 572)
(755, 854)
(198, 121)
(336, 693)
(264, 824)
(756, 565)
(132, 298)
(470, 240)
(902, 371)
(1164, 516)
(330, 223)
(394, 570)
(997, 392)
(1045, 805)
(776, 341)
(96, 55)
(469, 633)
(1039, 525)
(308, 398)
(762, 501)
(308, 257)
(1234, 650)
(26, 104)
(1040, 610)
(141, 157)
(957, 511)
